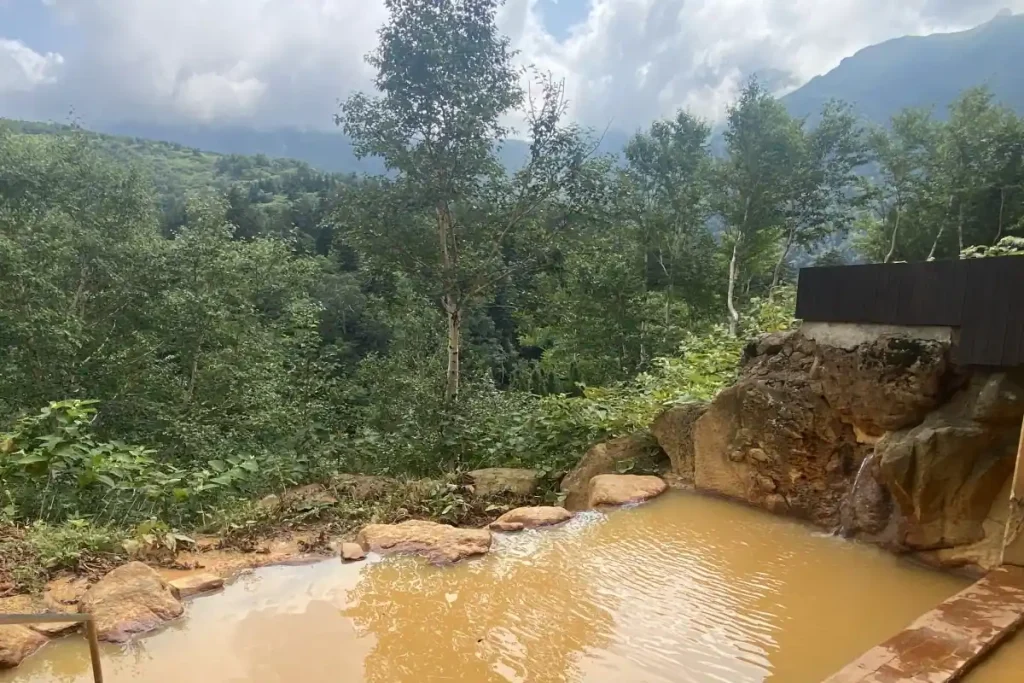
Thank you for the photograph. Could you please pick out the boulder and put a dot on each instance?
(944, 476)
(65, 591)
(34, 604)
(530, 518)
(887, 384)
(997, 398)
(619, 489)
(439, 543)
(494, 481)
(876, 384)
(673, 430)
(638, 452)
(17, 643)
(868, 507)
(130, 600)
(352, 552)
(194, 584)
(776, 443)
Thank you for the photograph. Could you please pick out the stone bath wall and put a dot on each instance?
(883, 438)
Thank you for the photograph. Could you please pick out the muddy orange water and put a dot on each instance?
(685, 589)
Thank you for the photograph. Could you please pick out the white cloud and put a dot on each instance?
(271, 62)
(287, 62)
(632, 60)
(214, 96)
(23, 69)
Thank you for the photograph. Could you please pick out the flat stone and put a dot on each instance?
(530, 518)
(352, 552)
(619, 489)
(30, 604)
(638, 451)
(194, 584)
(439, 543)
(494, 481)
(55, 630)
(944, 643)
(17, 643)
(65, 591)
(129, 600)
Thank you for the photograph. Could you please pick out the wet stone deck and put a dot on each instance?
(944, 643)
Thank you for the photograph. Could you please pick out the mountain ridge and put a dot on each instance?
(922, 71)
(879, 80)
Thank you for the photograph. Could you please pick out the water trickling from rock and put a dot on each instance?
(867, 507)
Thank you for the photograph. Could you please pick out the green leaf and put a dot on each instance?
(105, 479)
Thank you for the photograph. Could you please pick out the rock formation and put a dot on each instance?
(439, 543)
(673, 430)
(638, 452)
(620, 489)
(352, 552)
(16, 643)
(530, 518)
(886, 439)
(196, 584)
(130, 600)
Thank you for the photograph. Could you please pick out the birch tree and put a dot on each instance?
(447, 87)
(762, 140)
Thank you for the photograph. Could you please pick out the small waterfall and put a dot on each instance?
(848, 510)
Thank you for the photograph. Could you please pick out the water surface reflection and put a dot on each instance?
(685, 589)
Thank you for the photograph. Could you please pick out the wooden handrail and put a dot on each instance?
(61, 618)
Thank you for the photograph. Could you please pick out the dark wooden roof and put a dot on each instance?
(982, 297)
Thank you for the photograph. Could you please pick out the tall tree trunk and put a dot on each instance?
(942, 229)
(451, 302)
(895, 231)
(960, 228)
(935, 244)
(1002, 205)
(734, 315)
(454, 315)
(782, 260)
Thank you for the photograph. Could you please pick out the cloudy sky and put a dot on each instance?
(272, 63)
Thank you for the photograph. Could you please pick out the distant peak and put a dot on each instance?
(1004, 13)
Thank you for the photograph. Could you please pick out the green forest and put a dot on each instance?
(182, 333)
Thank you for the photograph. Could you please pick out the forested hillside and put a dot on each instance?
(328, 150)
(264, 195)
(166, 362)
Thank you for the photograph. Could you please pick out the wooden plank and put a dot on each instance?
(1013, 353)
(983, 297)
(986, 307)
(946, 642)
